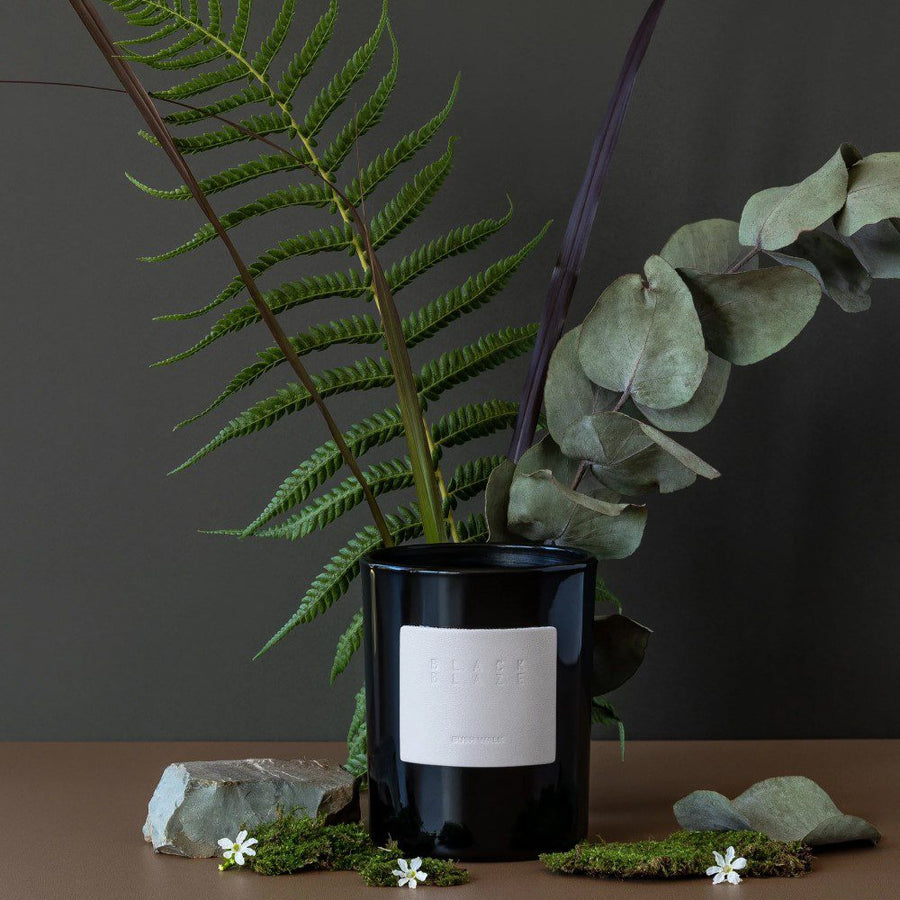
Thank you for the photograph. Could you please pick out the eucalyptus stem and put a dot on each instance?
(142, 100)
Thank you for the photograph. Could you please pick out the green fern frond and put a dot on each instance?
(362, 375)
(475, 292)
(262, 125)
(405, 149)
(368, 116)
(473, 530)
(302, 62)
(275, 39)
(470, 478)
(352, 330)
(357, 760)
(348, 643)
(315, 195)
(468, 423)
(335, 93)
(340, 572)
(253, 93)
(457, 366)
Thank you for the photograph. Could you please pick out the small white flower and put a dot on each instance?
(725, 868)
(238, 848)
(409, 873)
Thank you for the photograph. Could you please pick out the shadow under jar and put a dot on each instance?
(478, 692)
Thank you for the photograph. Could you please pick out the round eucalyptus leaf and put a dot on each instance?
(751, 315)
(700, 410)
(873, 193)
(569, 394)
(878, 248)
(833, 264)
(631, 457)
(643, 337)
(619, 647)
(775, 217)
(708, 246)
(542, 509)
(496, 502)
(547, 454)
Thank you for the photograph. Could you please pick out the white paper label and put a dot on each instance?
(477, 697)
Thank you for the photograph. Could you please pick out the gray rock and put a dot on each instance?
(196, 803)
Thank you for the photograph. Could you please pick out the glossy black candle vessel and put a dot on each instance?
(478, 675)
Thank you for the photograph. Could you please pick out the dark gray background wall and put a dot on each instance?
(773, 591)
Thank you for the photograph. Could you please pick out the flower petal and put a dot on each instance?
(413, 884)
(421, 875)
(251, 842)
(401, 882)
(228, 854)
(713, 870)
(729, 854)
(720, 860)
(397, 872)
(733, 878)
(239, 858)
(415, 863)
(739, 863)
(719, 878)
(242, 836)
(403, 865)
(224, 843)
(249, 851)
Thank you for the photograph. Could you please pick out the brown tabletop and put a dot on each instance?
(71, 814)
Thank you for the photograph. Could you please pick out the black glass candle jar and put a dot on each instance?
(478, 693)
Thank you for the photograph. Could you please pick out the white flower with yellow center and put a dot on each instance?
(239, 848)
(726, 867)
(409, 873)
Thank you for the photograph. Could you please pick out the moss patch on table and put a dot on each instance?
(685, 854)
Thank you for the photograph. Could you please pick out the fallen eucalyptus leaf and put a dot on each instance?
(619, 647)
(569, 394)
(833, 264)
(774, 218)
(708, 246)
(496, 502)
(644, 338)
(701, 409)
(631, 457)
(873, 193)
(878, 248)
(542, 509)
(786, 808)
(751, 315)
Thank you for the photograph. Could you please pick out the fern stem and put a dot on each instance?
(142, 100)
(427, 484)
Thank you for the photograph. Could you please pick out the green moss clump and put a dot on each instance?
(685, 854)
(293, 843)
(378, 871)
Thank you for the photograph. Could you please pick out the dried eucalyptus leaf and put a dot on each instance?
(569, 394)
(873, 193)
(878, 248)
(632, 457)
(708, 246)
(709, 811)
(786, 808)
(748, 316)
(833, 264)
(619, 647)
(794, 808)
(547, 454)
(496, 502)
(644, 338)
(774, 218)
(544, 510)
(700, 410)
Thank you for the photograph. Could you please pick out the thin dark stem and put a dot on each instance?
(135, 89)
(574, 246)
(739, 264)
(583, 466)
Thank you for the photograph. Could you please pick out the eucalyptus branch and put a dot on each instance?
(142, 100)
(574, 246)
(739, 264)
